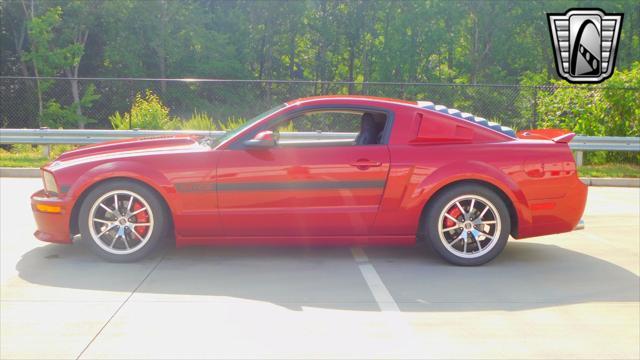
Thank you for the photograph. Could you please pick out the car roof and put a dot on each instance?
(360, 98)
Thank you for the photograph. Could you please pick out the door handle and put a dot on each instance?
(364, 164)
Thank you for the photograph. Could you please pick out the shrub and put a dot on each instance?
(198, 121)
(231, 123)
(55, 115)
(202, 121)
(28, 149)
(57, 150)
(147, 112)
(624, 103)
(23, 148)
(609, 110)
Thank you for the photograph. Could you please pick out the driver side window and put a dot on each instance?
(332, 128)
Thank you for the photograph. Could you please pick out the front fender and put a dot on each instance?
(124, 169)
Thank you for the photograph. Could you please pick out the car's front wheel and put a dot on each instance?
(467, 224)
(122, 220)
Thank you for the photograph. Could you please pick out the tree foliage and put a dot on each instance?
(57, 46)
(444, 41)
(55, 115)
(587, 111)
(461, 42)
(582, 109)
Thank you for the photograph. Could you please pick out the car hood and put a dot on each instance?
(128, 147)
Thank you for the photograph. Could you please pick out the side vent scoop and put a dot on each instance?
(469, 117)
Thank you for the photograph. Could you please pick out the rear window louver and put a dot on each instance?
(469, 117)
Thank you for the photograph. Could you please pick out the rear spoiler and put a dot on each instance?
(555, 135)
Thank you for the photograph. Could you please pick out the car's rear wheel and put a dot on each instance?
(467, 224)
(122, 220)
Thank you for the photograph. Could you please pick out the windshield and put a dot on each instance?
(229, 134)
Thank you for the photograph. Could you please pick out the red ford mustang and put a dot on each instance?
(384, 171)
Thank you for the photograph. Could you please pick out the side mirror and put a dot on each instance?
(263, 139)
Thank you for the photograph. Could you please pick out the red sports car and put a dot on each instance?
(383, 171)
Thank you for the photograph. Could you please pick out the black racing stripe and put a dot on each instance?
(195, 186)
(300, 185)
(296, 185)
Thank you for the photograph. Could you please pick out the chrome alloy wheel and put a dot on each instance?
(121, 222)
(469, 226)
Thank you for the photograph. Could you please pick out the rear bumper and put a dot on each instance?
(51, 227)
(554, 216)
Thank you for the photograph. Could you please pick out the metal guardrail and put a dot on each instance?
(580, 144)
(80, 137)
(83, 137)
(610, 143)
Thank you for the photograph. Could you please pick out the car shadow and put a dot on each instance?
(526, 275)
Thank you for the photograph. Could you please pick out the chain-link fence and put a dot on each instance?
(31, 103)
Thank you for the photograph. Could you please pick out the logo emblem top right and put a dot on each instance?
(585, 42)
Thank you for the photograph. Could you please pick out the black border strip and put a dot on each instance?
(195, 186)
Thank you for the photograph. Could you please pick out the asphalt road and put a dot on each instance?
(573, 295)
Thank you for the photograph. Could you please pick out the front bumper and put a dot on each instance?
(51, 227)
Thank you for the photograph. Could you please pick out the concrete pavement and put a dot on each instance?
(573, 295)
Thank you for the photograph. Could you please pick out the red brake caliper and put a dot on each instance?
(141, 217)
(454, 212)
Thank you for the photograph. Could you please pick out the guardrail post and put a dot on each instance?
(579, 155)
(46, 150)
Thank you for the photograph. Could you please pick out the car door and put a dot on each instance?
(302, 188)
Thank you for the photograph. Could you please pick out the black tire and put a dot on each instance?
(158, 214)
(488, 247)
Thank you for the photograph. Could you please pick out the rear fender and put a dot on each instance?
(474, 171)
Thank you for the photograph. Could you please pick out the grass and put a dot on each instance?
(610, 170)
(29, 160)
(25, 156)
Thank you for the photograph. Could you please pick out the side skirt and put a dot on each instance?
(299, 240)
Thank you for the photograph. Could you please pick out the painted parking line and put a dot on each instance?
(394, 318)
(374, 282)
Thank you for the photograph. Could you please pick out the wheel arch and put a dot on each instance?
(73, 219)
(513, 214)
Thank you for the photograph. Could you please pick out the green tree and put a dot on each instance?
(362, 41)
(40, 31)
(58, 45)
(78, 18)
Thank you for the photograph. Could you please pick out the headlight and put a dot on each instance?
(49, 182)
